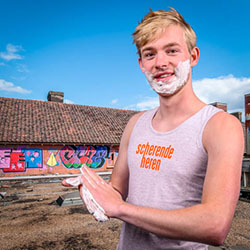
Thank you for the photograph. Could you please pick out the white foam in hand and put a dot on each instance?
(93, 207)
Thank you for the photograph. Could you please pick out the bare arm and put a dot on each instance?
(208, 222)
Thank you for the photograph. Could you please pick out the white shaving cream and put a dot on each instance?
(92, 205)
(171, 87)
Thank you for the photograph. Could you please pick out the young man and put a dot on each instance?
(176, 181)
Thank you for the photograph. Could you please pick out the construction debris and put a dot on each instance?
(69, 199)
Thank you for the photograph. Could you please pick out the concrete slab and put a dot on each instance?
(69, 199)
(2, 194)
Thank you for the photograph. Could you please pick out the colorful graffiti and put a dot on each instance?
(71, 157)
(75, 157)
(33, 158)
(52, 162)
(17, 162)
(5, 158)
(12, 161)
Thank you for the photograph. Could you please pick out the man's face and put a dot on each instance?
(160, 57)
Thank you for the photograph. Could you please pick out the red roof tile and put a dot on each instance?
(43, 122)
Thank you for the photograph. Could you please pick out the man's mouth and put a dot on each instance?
(164, 77)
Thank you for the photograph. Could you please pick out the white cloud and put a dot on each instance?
(146, 104)
(225, 89)
(68, 101)
(19, 78)
(12, 52)
(114, 101)
(22, 68)
(9, 86)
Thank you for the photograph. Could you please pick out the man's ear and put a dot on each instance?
(140, 63)
(195, 55)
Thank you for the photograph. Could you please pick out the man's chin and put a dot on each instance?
(170, 93)
(166, 95)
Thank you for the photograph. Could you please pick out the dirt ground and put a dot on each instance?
(31, 219)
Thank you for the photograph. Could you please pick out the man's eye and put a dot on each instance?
(148, 55)
(172, 51)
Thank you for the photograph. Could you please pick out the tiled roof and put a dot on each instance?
(44, 122)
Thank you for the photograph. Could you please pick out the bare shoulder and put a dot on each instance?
(223, 129)
(222, 122)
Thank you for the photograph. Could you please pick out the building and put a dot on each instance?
(246, 161)
(50, 137)
(247, 115)
(220, 105)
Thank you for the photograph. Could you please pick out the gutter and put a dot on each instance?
(55, 176)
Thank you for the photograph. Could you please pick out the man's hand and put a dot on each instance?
(93, 207)
(103, 193)
(93, 187)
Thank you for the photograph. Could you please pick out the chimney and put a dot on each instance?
(220, 105)
(55, 96)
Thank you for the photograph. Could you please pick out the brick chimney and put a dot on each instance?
(55, 96)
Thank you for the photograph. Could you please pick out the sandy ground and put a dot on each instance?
(31, 219)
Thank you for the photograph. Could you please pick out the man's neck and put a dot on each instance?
(176, 109)
(181, 103)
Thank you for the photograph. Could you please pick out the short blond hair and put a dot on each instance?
(155, 22)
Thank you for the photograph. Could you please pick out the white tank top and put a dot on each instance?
(166, 171)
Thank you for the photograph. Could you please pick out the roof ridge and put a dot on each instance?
(58, 103)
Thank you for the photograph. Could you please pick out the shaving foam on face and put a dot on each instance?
(92, 205)
(171, 87)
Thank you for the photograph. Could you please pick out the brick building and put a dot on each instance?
(50, 137)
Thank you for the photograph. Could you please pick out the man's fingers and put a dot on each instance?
(89, 177)
(65, 184)
(72, 182)
(93, 178)
(89, 174)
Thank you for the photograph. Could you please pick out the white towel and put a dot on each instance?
(93, 207)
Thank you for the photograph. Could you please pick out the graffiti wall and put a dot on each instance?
(27, 160)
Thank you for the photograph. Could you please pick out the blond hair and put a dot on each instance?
(155, 22)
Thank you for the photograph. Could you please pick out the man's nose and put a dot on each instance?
(161, 60)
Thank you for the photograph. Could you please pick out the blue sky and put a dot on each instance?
(84, 49)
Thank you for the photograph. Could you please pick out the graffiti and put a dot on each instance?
(5, 158)
(33, 158)
(52, 162)
(72, 157)
(11, 161)
(75, 157)
(87, 154)
(98, 159)
(17, 162)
